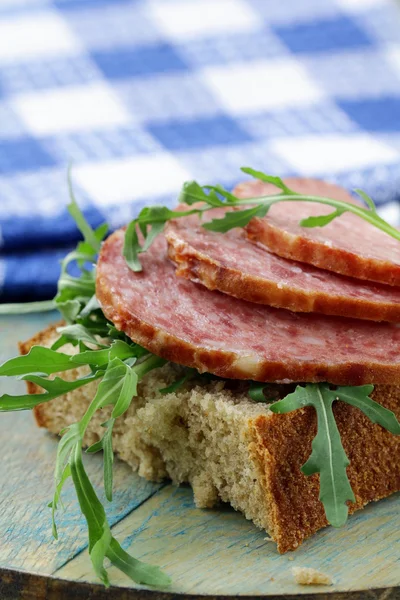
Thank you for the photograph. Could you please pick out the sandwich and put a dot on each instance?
(245, 342)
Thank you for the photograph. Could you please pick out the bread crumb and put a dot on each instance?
(307, 576)
(268, 539)
(290, 558)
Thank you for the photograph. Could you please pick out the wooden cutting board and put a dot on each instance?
(206, 552)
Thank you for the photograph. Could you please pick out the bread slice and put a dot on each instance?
(234, 450)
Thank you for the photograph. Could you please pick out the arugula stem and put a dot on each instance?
(364, 213)
(94, 407)
(150, 363)
(147, 365)
(24, 308)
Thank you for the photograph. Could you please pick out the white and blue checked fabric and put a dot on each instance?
(142, 95)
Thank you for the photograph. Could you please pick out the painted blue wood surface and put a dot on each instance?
(26, 476)
(205, 552)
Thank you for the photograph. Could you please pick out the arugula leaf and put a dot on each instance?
(151, 220)
(94, 513)
(328, 457)
(256, 391)
(276, 181)
(191, 193)
(66, 473)
(359, 397)
(105, 444)
(151, 235)
(321, 220)
(24, 308)
(132, 247)
(54, 389)
(98, 358)
(117, 361)
(89, 307)
(79, 333)
(117, 389)
(212, 198)
(367, 199)
(70, 309)
(121, 364)
(135, 569)
(38, 360)
(236, 218)
(83, 226)
(170, 389)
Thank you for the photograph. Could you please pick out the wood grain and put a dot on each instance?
(215, 552)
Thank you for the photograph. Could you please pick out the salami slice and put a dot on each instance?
(348, 245)
(232, 264)
(210, 331)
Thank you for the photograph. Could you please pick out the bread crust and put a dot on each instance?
(197, 266)
(283, 445)
(311, 251)
(278, 446)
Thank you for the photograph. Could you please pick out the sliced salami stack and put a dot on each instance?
(240, 310)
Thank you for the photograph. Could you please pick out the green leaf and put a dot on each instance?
(155, 230)
(70, 437)
(115, 362)
(328, 457)
(117, 388)
(276, 181)
(236, 218)
(69, 309)
(151, 222)
(24, 308)
(99, 358)
(135, 569)
(128, 391)
(359, 397)
(170, 389)
(62, 341)
(367, 199)
(70, 287)
(66, 474)
(38, 360)
(113, 388)
(191, 193)
(56, 387)
(101, 543)
(91, 305)
(219, 189)
(321, 220)
(89, 235)
(149, 215)
(256, 391)
(99, 552)
(132, 247)
(79, 333)
(108, 459)
(101, 231)
(212, 198)
(93, 511)
(105, 444)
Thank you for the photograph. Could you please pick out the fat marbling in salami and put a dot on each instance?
(188, 324)
(232, 264)
(348, 245)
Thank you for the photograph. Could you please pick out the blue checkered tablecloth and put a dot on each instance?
(142, 95)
